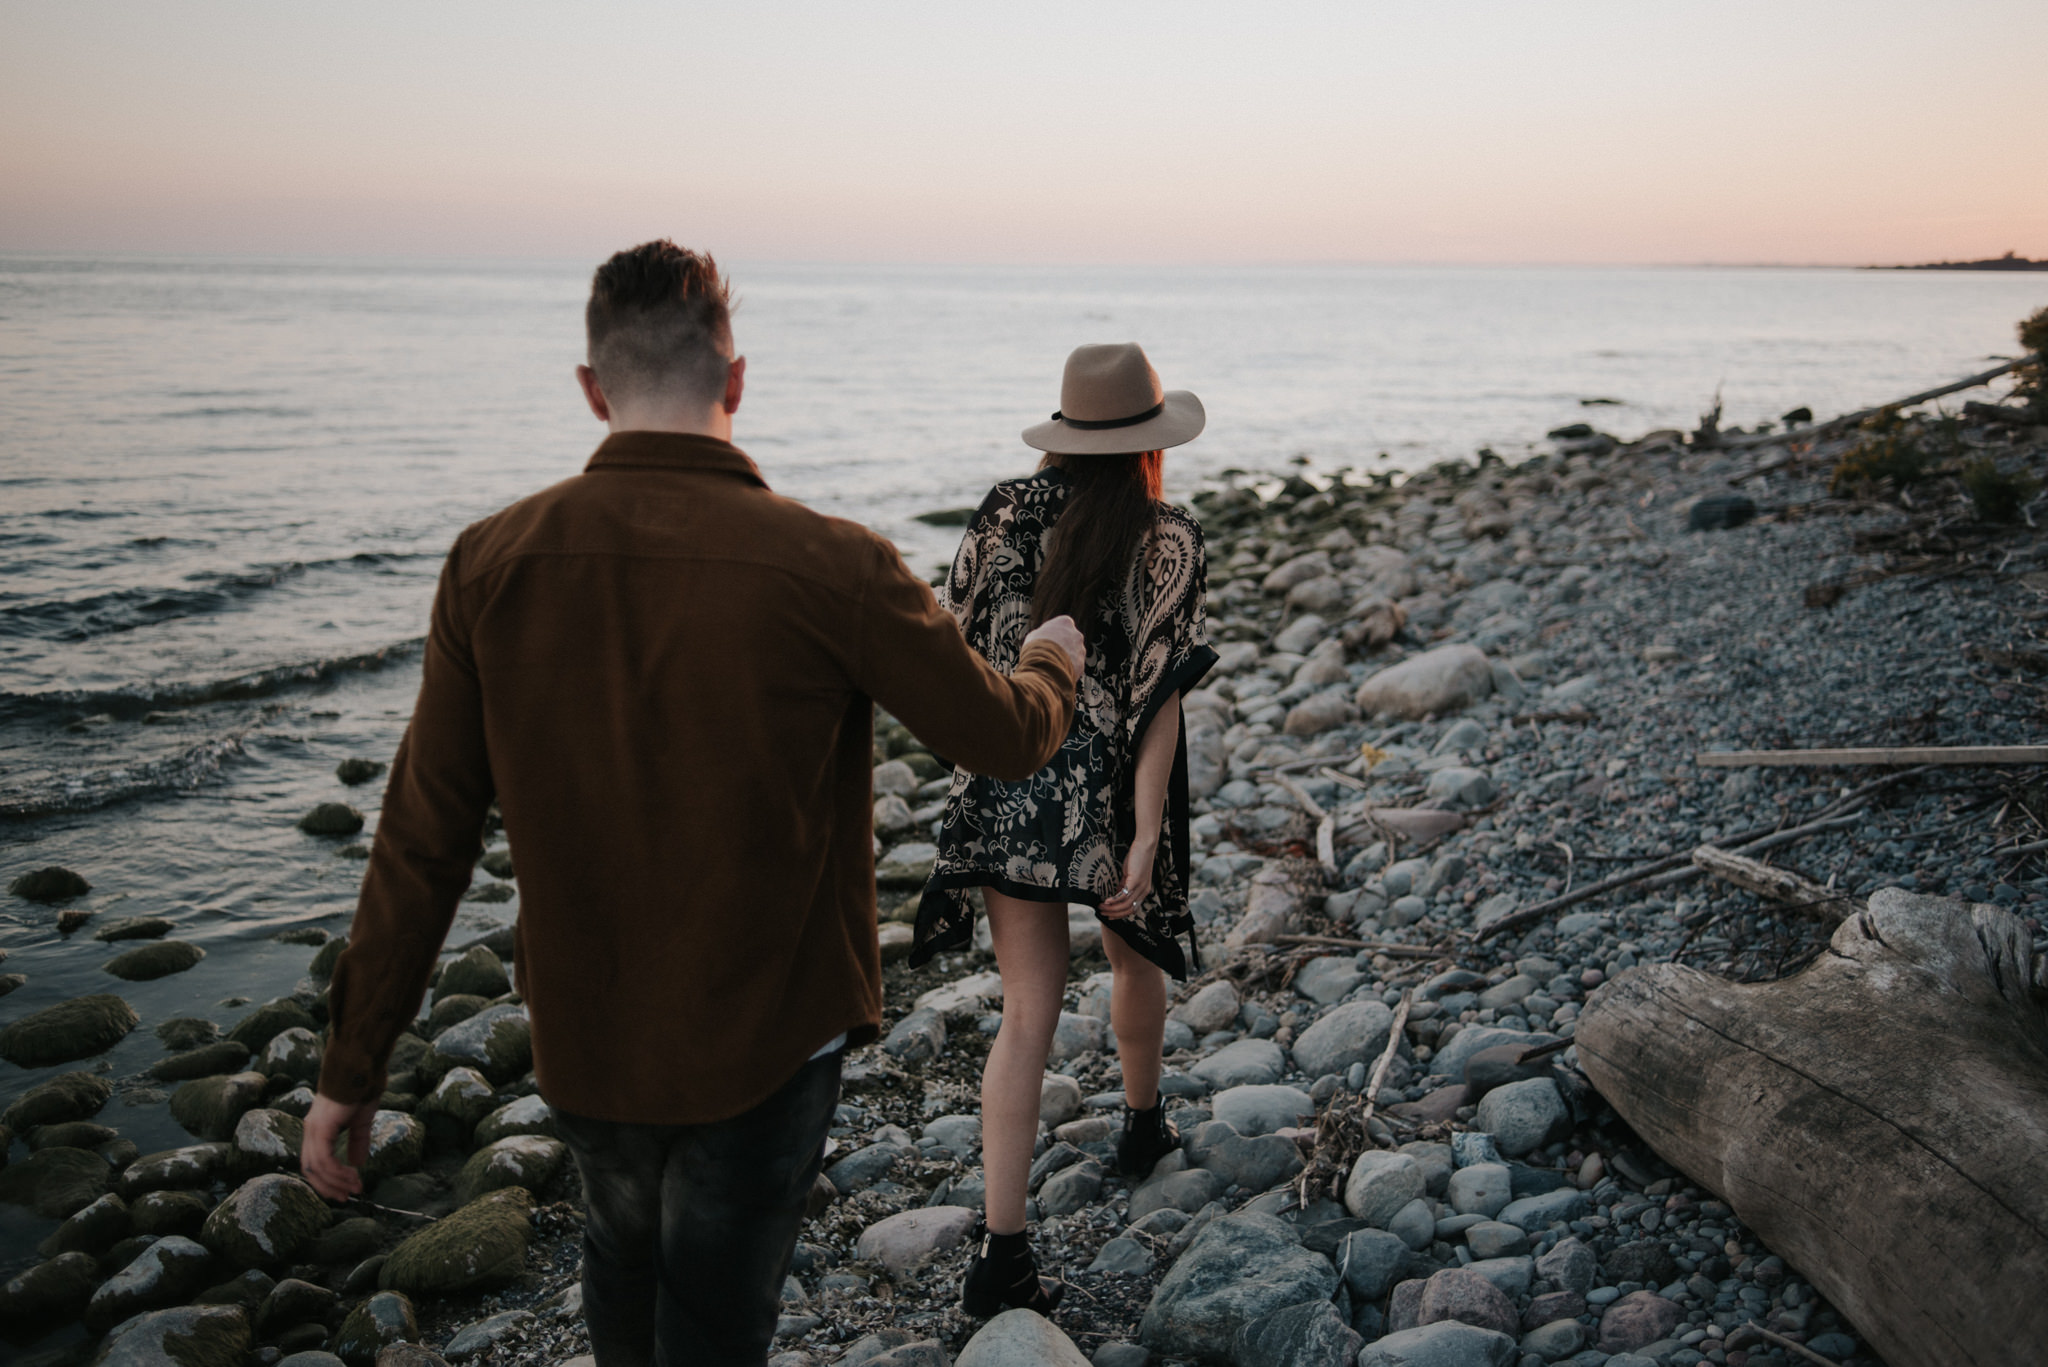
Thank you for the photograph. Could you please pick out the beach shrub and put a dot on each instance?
(1998, 495)
(1894, 453)
(2031, 387)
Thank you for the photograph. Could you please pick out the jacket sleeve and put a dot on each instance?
(913, 660)
(428, 837)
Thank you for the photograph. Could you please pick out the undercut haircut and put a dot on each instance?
(659, 322)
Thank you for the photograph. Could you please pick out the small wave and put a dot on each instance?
(103, 787)
(119, 610)
(131, 703)
(240, 411)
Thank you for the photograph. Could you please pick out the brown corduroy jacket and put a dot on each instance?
(663, 674)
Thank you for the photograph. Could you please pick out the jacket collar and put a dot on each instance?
(677, 451)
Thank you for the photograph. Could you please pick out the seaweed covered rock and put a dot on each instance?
(188, 1335)
(292, 1053)
(265, 1221)
(68, 1096)
(169, 1212)
(397, 1143)
(221, 1056)
(133, 928)
(56, 1182)
(76, 1029)
(452, 1110)
(331, 818)
(157, 960)
(527, 1115)
(481, 1245)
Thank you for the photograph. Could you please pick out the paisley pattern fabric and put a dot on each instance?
(1062, 834)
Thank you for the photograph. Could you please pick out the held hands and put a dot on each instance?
(1135, 888)
(1062, 632)
(328, 1175)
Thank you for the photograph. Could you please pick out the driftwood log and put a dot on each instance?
(1880, 1119)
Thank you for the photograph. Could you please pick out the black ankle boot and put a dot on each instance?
(1005, 1278)
(1147, 1139)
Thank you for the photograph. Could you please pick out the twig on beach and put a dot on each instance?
(1790, 1345)
(1902, 754)
(1750, 840)
(391, 1210)
(1376, 946)
(1386, 1059)
(1779, 885)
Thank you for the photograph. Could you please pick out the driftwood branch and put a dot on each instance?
(1391, 951)
(1900, 754)
(1753, 839)
(1386, 1059)
(1843, 420)
(1779, 885)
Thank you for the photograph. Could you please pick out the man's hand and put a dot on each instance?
(329, 1176)
(1062, 632)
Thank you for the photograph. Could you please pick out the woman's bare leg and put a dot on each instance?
(1137, 1012)
(1031, 954)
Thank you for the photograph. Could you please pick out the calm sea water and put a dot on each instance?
(226, 487)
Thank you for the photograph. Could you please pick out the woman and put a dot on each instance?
(1106, 823)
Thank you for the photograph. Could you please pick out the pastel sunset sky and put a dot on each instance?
(1511, 131)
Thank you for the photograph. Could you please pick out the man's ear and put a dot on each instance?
(735, 384)
(592, 394)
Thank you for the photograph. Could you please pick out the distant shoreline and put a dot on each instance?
(2008, 262)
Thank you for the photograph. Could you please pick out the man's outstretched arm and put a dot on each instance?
(428, 837)
(916, 664)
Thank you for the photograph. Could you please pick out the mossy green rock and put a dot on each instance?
(397, 1143)
(208, 1060)
(159, 960)
(56, 1183)
(323, 962)
(293, 1054)
(187, 1335)
(476, 972)
(76, 1029)
(497, 1042)
(169, 1212)
(520, 1160)
(453, 1010)
(355, 769)
(187, 1032)
(451, 1111)
(68, 1096)
(266, 1141)
(133, 928)
(162, 1275)
(332, 818)
(194, 1165)
(57, 1289)
(210, 1107)
(528, 1115)
(479, 1246)
(72, 1134)
(91, 1229)
(345, 1244)
(383, 1319)
(52, 884)
(270, 1020)
(265, 1221)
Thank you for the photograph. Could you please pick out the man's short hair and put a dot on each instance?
(660, 321)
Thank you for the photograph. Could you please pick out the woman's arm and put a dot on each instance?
(1155, 766)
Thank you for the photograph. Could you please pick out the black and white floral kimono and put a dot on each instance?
(1062, 834)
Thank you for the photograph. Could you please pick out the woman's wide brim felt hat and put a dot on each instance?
(1111, 403)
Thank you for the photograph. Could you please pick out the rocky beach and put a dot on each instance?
(1447, 785)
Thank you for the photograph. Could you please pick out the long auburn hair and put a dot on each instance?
(1113, 508)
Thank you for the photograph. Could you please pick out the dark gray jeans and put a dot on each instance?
(691, 1227)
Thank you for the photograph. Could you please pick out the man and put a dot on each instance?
(663, 673)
